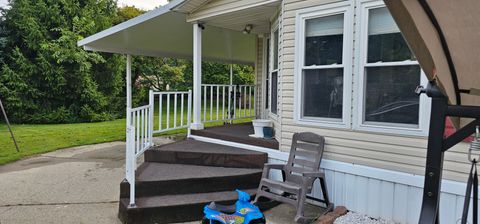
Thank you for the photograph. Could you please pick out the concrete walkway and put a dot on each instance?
(76, 185)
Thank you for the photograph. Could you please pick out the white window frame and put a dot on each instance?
(266, 62)
(345, 8)
(361, 63)
(275, 27)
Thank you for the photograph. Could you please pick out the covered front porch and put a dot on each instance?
(182, 177)
(231, 37)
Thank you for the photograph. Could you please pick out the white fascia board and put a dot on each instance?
(129, 23)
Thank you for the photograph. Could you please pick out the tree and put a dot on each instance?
(44, 76)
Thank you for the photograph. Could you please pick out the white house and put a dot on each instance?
(341, 69)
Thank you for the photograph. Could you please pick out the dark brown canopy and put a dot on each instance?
(445, 37)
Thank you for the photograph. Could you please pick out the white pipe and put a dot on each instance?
(129, 81)
(231, 74)
(197, 76)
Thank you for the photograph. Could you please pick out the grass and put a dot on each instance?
(36, 139)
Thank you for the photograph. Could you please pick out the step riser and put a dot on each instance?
(206, 159)
(204, 185)
(171, 214)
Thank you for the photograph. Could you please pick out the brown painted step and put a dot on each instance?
(236, 133)
(165, 179)
(173, 208)
(205, 154)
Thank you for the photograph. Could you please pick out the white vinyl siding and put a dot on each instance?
(391, 151)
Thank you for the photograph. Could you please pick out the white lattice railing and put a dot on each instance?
(227, 102)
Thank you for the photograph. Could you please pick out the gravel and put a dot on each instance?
(353, 217)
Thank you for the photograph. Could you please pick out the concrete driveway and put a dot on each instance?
(76, 185)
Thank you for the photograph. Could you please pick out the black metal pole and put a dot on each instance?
(434, 163)
(438, 144)
(8, 125)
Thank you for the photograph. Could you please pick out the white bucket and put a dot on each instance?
(258, 126)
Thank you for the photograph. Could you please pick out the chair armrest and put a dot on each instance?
(316, 174)
(274, 166)
(269, 166)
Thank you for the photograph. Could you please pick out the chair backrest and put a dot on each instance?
(305, 156)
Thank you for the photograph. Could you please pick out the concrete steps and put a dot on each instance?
(177, 180)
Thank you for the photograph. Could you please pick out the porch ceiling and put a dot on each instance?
(165, 33)
(258, 16)
(459, 23)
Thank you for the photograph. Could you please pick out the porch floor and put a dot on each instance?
(238, 133)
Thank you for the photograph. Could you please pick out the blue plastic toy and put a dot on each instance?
(243, 212)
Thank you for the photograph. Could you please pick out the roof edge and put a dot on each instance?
(131, 22)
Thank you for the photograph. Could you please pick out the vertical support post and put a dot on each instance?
(129, 88)
(130, 163)
(197, 76)
(150, 117)
(130, 149)
(231, 74)
(435, 154)
(8, 125)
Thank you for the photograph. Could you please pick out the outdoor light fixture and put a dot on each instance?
(248, 28)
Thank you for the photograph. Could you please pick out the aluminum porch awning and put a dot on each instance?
(164, 32)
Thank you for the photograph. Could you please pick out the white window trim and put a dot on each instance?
(359, 91)
(346, 8)
(265, 110)
(275, 27)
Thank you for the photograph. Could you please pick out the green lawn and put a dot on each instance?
(35, 139)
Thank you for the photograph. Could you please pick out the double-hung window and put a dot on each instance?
(323, 75)
(388, 75)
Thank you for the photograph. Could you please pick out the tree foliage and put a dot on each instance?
(46, 78)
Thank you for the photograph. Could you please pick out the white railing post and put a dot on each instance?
(168, 111)
(211, 102)
(150, 117)
(229, 111)
(130, 163)
(160, 111)
(174, 110)
(223, 103)
(204, 103)
(189, 109)
(234, 103)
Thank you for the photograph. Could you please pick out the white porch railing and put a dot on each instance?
(174, 110)
(227, 102)
(139, 139)
(141, 126)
